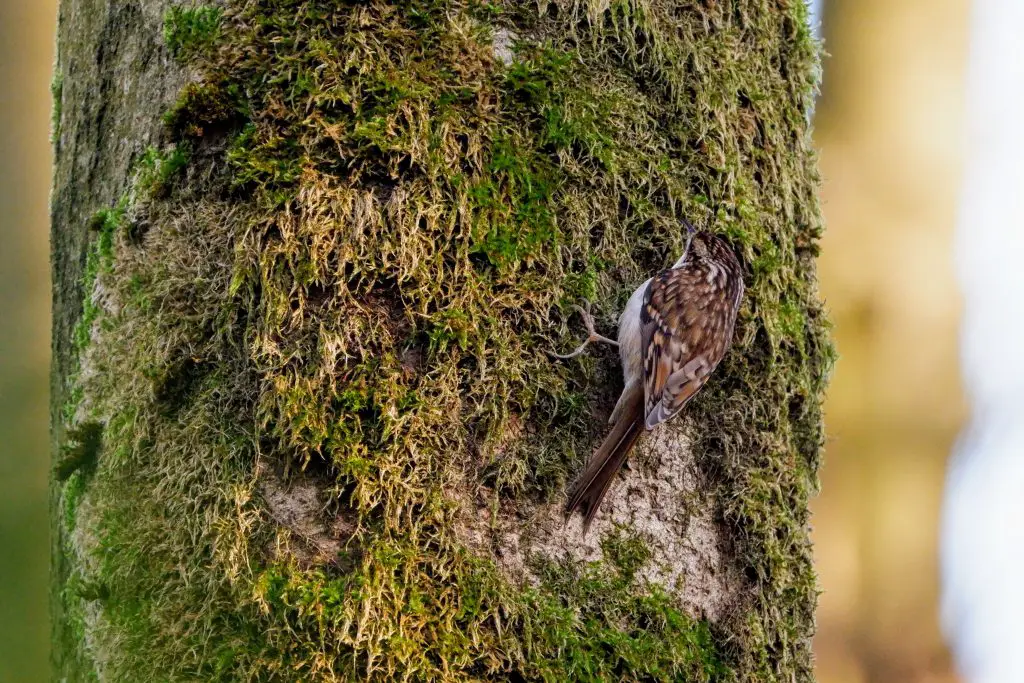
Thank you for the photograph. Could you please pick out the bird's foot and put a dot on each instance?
(592, 335)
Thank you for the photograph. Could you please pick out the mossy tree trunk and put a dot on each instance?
(308, 258)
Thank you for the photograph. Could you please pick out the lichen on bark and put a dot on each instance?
(333, 444)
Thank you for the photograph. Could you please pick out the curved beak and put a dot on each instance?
(690, 232)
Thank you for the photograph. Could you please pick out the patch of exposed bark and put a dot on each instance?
(297, 505)
(658, 497)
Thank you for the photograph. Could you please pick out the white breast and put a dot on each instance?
(630, 337)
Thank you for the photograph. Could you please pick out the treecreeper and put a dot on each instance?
(674, 331)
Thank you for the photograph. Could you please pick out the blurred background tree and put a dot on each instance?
(26, 56)
(889, 126)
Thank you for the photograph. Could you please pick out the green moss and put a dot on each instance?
(626, 552)
(75, 617)
(57, 95)
(581, 623)
(74, 473)
(264, 161)
(189, 31)
(592, 625)
(84, 443)
(80, 451)
(382, 233)
(99, 259)
(156, 169)
(200, 109)
(74, 488)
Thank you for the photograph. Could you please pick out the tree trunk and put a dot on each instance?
(309, 257)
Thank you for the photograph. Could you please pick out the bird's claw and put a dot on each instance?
(592, 335)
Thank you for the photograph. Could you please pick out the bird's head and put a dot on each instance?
(702, 245)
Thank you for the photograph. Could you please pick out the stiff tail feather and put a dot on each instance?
(588, 492)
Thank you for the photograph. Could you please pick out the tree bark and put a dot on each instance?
(309, 257)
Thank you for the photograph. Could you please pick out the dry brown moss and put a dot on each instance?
(378, 234)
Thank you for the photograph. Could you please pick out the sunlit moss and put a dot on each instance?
(189, 31)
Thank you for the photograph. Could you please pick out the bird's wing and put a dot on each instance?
(686, 326)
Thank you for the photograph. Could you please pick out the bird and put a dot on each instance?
(674, 331)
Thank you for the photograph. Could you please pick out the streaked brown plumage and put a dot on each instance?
(674, 331)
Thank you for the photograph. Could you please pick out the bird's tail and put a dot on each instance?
(589, 490)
